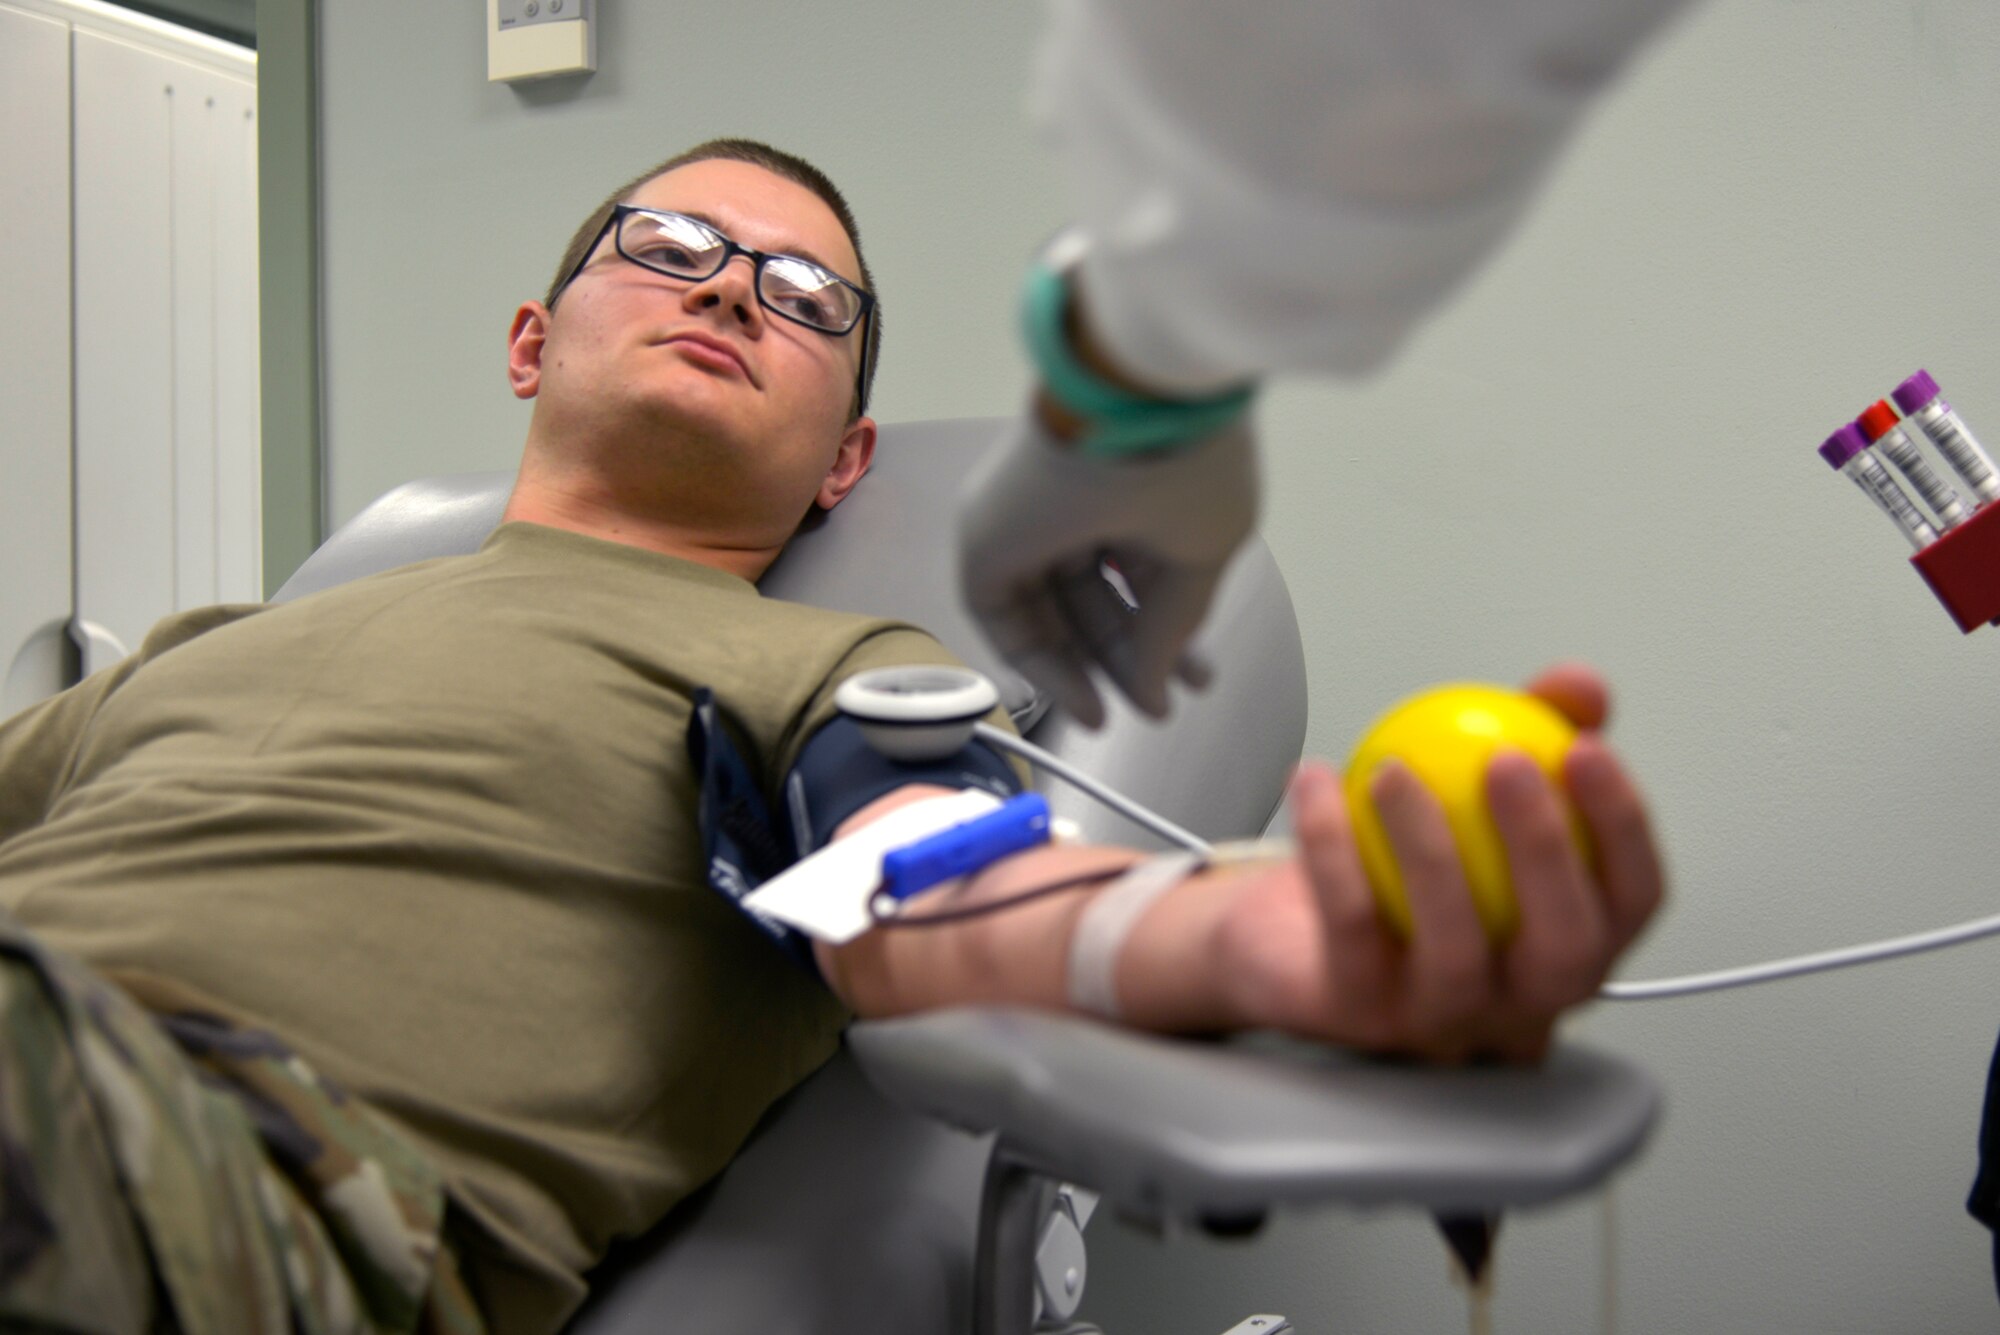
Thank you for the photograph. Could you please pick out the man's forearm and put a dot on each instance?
(1301, 945)
(1166, 976)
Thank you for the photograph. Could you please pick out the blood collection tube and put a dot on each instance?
(1847, 451)
(1923, 403)
(1891, 437)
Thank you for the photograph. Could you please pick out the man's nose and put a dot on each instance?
(733, 288)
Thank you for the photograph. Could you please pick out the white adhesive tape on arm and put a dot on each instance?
(1110, 917)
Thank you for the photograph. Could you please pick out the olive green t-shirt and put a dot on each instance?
(436, 829)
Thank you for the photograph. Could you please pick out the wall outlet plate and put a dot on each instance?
(539, 39)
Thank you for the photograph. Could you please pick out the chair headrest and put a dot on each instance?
(889, 549)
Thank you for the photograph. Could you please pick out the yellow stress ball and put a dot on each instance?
(1447, 736)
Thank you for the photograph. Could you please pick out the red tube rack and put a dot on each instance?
(1963, 569)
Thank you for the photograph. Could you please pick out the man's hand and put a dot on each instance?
(1038, 518)
(1305, 949)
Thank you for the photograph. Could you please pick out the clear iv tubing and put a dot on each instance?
(1687, 985)
(1799, 965)
(1655, 989)
(1117, 801)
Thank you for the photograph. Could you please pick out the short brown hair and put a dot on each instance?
(777, 161)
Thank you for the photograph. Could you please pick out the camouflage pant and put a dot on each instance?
(206, 1182)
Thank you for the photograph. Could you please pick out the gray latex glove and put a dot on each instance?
(1036, 519)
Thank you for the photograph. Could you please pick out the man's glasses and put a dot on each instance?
(689, 249)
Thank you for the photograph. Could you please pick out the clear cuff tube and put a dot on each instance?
(1923, 403)
(1891, 438)
(1847, 451)
(1111, 797)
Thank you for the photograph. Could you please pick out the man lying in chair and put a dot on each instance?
(360, 966)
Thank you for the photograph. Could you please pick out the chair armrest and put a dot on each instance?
(1210, 1130)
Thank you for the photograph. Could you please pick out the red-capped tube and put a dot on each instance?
(1887, 433)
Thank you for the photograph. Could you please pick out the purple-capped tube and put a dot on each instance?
(1923, 403)
(1847, 450)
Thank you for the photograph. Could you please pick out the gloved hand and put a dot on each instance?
(1037, 518)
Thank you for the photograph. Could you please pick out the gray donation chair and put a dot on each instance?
(920, 1183)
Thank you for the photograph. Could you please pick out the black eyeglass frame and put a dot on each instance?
(731, 248)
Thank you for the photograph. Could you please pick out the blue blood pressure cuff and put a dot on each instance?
(739, 841)
(838, 773)
(745, 842)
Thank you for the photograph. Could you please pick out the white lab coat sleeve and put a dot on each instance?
(1290, 186)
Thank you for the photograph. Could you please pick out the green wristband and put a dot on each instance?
(1117, 421)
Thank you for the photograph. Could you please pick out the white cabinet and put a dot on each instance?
(139, 477)
(35, 499)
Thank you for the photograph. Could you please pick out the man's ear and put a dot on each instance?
(525, 342)
(857, 448)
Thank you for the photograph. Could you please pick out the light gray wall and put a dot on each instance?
(1603, 449)
(448, 199)
(287, 285)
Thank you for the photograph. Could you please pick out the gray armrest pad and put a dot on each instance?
(1179, 1128)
